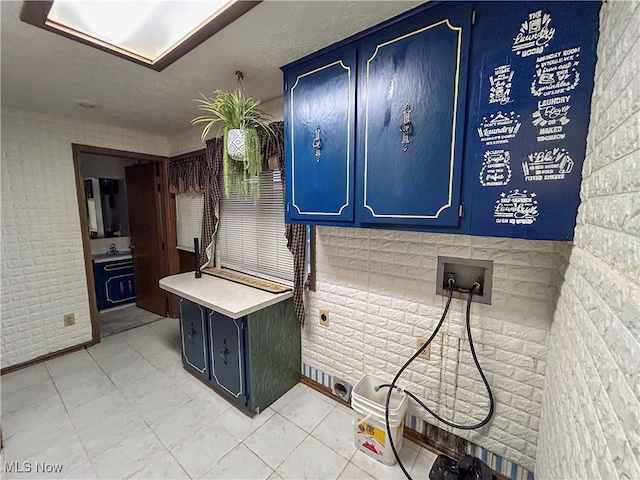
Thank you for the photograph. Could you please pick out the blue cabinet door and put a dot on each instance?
(226, 346)
(114, 283)
(193, 329)
(319, 131)
(411, 111)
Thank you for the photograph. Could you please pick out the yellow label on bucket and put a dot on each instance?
(376, 433)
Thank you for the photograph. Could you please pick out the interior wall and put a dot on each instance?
(590, 424)
(42, 265)
(379, 287)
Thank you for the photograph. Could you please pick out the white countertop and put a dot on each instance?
(110, 257)
(229, 298)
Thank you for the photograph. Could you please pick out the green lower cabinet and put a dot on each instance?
(252, 360)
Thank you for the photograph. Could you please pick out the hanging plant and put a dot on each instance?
(236, 112)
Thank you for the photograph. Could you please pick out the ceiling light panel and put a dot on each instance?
(146, 29)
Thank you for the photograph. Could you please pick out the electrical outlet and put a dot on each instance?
(324, 317)
(426, 354)
(69, 319)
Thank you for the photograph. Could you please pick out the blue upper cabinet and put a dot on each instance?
(411, 110)
(319, 126)
(470, 117)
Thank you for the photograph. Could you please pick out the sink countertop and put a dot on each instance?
(224, 296)
(107, 257)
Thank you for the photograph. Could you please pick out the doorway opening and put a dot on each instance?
(128, 236)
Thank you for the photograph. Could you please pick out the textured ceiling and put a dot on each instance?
(48, 73)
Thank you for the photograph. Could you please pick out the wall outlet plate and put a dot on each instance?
(420, 341)
(324, 317)
(69, 319)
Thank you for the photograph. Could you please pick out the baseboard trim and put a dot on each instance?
(48, 356)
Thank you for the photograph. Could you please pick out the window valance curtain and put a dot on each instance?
(188, 174)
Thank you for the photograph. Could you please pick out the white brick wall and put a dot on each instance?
(590, 425)
(379, 287)
(42, 265)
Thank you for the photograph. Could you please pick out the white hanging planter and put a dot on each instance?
(235, 144)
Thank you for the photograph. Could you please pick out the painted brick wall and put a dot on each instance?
(590, 425)
(42, 265)
(379, 287)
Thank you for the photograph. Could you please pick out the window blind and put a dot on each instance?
(189, 207)
(251, 234)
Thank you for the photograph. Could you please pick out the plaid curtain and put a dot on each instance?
(188, 175)
(213, 157)
(296, 234)
(272, 147)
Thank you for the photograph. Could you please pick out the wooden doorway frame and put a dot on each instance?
(168, 236)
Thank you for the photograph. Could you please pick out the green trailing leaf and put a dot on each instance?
(232, 110)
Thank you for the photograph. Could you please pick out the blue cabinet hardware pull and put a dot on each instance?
(405, 128)
(225, 351)
(192, 333)
(317, 143)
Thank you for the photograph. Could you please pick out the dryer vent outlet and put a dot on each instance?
(341, 389)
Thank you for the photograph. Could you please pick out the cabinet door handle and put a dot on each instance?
(121, 287)
(317, 143)
(405, 128)
(224, 353)
(130, 286)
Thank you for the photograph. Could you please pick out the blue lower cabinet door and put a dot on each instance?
(194, 344)
(320, 127)
(412, 84)
(226, 346)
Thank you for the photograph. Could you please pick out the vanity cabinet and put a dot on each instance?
(410, 84)
(251, 360)
(470, 117)
(114, 283)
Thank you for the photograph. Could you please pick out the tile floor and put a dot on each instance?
(126, 408)
(119, 319)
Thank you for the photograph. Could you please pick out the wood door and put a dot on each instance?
(320, 106)
(412, 77)
(145, 228)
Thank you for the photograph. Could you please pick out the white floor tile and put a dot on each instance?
(352, 472)
(307, 410)
(27, 396)
(193, 387)
(153, 383)
(288, 397)
(423, 464)
(161, 403)
(65, 364)
(25, 377)
(97, 410)
(240, 463)
(275, 440)
(183, 421)
(84, 393)
(129, 456)
(336, 432)
(69, 453)
(241, 425)
(381, 471)
(202, 450)
(124, 358)
(31, 415)
(110, 431)
(312, 459)
(133, 372)
(166, 467)
(25, 446)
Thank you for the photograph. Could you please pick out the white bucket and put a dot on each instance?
(370, 432)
